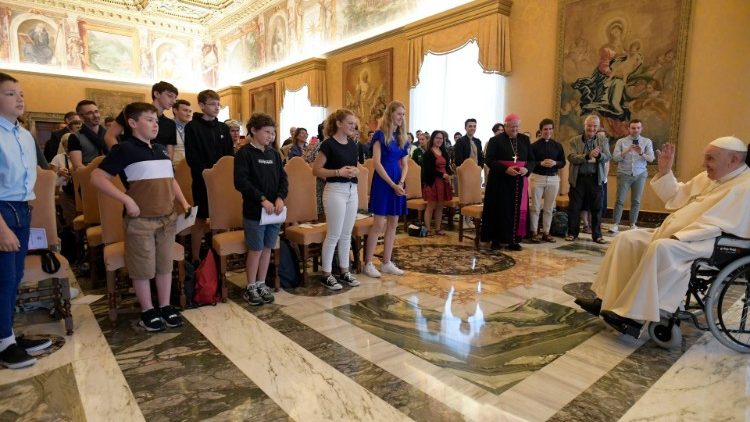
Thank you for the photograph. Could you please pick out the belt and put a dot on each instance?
(586, 174)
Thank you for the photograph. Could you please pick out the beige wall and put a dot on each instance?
(716, 96)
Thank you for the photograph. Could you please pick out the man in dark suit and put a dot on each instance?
(468, 146)
(52, 145)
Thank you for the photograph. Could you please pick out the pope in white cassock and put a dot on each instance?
(647, 270)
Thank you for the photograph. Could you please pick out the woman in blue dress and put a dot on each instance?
(390, 155)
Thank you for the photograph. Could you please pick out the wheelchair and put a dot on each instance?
(719, 291)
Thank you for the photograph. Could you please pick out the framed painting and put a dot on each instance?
(368, 87)
(263, 100)
(41, 125)
(111, 103)
(111, 50)
(621, 61)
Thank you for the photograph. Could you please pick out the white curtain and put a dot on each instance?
(453, 88)
(298, 112)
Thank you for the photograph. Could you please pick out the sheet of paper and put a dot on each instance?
(182, 223)
(266, 218)
(37, 239)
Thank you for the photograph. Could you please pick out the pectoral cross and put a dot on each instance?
(515, 158)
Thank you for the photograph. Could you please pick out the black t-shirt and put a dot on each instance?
(167, 129)
(337, 156)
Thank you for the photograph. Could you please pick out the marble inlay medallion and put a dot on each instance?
(584, 248)
(51, 396)
(579, 290)
(494, 352)
(450, 259)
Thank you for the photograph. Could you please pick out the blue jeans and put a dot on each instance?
(17, 215)
(635, 184)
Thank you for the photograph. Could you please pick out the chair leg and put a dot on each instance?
(92, 265)
(420, 216)
(112, 297)
(181, 283)
(276, 263)
(66, 312)
(406, 219)
(478, 228)
(304, 254)
(460, 228)
(223, 278)
(356, 244)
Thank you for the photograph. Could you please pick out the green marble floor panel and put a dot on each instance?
(493, 352)
(51, 396)
(178, 375)
(584, 248)
(394, 391)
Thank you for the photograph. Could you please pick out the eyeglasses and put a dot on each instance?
(76, 123)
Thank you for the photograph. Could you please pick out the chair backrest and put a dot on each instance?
(301, 202)
(43, 212)
(413, 180)
(185, 180)
(370, 166)
(77, 191)
(110, 210)
(469, 182)
(564, 184)
(363, 187)
(88, 192)
(224, 201)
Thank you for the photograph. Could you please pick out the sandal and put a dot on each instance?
(439, 233)
(570, 238)
(547, 238)
(600, 241)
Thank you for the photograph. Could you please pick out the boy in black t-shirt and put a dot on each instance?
(260, 177)
(149, 224)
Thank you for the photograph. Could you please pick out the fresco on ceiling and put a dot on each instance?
(36, 42)
(360, 16)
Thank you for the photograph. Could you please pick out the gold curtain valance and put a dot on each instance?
(492, 33)
(315, 79)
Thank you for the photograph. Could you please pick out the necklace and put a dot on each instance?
(515, 149)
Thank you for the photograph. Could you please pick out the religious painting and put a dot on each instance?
(111, 103)
(620, 61)
(243, 50)
(263, 99)
(42, 124)
(172, 61)
(36, 42)
(360, 16)
(111, 50)
(210, 64)
(368, 87)
(277, 38)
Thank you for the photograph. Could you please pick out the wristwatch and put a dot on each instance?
(263, 198)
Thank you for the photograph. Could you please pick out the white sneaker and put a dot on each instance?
(468, 224)
(633, 227)
(371, 271)
(614, 229)
(391, 268)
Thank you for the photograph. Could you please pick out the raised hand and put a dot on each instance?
(665, 158)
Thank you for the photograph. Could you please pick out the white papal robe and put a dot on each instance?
(646, 270)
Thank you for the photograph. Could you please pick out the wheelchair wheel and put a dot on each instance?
(728, 306)
(664, 336)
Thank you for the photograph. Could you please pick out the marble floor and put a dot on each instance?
(464, 335)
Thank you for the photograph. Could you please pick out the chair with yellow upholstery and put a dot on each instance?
(113, 239)
(414, 199)
(563, 201)
(302, 227)
(470, 198)
(90, 209)
(33, 287)
(361, 225)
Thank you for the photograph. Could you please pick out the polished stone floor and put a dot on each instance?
(464, 335)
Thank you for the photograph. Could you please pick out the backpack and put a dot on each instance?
(559, 226)
(206, 282)
(288, 270)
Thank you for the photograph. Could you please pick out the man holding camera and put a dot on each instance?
(632, 153)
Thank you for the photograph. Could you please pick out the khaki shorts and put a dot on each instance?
(149, 245)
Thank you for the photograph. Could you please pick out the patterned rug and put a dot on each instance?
(450, 260)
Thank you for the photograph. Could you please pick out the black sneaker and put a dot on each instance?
(33, 346)
(252, 296)
(171, 316)
(15, 357)
(349, 279)
(151, 320)
(330, 282)
(265, 293)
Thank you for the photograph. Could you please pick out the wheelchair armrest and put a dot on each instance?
(728, 239)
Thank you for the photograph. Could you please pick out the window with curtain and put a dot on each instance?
(453, 88)
(298, 112)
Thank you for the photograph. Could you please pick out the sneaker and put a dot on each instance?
(252, 296)
(171, 316)
(633, 227)
(349, 279)
(515, 247)
(151, 320)
(15, 357)
(330, 282)
(371, 271)
(468, 224)
(33, 346)
(614, 229)
(391, 268)
(265, 293)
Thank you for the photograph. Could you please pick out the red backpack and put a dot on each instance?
(206, 281)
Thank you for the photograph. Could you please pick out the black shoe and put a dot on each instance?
(265, 293)
(515, 247)
(592, 306)
(33, 346)
(15, 357)
(151, 320)
(349, 279)
(330, 282)
(252, 296)
(495, 246)
(171, 316)
(622, 324)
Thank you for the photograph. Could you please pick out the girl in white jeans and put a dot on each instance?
(337, 164)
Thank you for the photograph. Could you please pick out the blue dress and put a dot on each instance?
(383, 199)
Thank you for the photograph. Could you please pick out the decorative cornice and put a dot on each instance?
(298, 68)
(457, 16)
